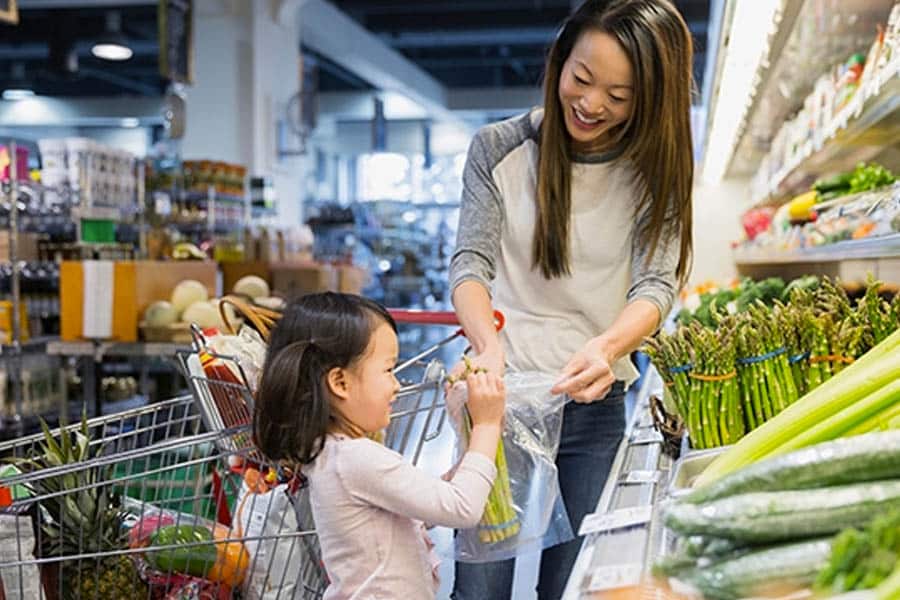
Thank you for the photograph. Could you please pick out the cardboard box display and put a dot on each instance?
(352, 280)
(298, 279)
(232, 272)
(107, 301)
(26, 248)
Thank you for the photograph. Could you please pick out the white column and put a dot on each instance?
(245, 71)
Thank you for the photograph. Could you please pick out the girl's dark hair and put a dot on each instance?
(317, 333)
(656, 138)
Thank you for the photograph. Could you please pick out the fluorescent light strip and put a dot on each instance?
(749, 37)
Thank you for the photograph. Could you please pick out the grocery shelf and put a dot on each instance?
(33, 345)
(809, 39)
(615, 557)
(887, 246)
(100, 213)
(100, 349)
(858, 133)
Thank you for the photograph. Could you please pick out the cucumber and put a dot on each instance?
(774, 571)
(758, 518)
(838, 182)
(870, 457)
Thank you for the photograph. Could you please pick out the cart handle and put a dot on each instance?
(437, 317)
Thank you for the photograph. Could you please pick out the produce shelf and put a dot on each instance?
(862, 130)
(887, 246)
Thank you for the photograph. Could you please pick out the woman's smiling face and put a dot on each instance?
(596, 90)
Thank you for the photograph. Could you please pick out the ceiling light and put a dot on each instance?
(112, 51)
(112, 45)
(17, 94)
(130, 122)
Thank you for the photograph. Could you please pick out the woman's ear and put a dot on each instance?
(338, 383)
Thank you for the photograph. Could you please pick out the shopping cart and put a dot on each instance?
(173, 500)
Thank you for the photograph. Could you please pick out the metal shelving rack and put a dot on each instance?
(14, 351)
(11, 354)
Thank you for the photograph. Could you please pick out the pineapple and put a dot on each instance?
(85, 518)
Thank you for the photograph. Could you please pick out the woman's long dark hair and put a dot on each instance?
(317, 333)
(656, 138)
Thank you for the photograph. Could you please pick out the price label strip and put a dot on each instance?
(617, 519)
(642, 437)
(637, 477)
(614, 576)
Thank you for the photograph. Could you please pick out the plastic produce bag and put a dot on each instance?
(525, 511)
(247, 347)
(282, 562)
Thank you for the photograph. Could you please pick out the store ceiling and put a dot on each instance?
(26, 50)
(462, 44)
(481, 43)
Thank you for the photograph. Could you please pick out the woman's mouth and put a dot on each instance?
(583, 122)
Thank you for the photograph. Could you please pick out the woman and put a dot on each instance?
(576, 223)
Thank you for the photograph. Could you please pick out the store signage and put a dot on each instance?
(176, 40)
(617, 519)
(8, 12)
(614, 576)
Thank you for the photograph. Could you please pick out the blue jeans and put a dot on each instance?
(590, 437)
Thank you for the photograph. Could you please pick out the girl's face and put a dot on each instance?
(371, 384)
(596, 90)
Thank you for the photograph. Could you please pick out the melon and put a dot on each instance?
(188, 292)
(160, 314)
(202, 313)
(253, 286)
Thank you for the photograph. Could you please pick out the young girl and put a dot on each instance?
(328, 382)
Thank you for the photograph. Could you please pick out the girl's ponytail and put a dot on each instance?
(292, 410)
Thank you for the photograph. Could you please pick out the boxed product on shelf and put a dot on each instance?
(6, 163)
(105, 299)
(99, 174)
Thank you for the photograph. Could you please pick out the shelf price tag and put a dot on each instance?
(641, 437)
(640, 477)
(617, 519)
(614, 576)
(162, 203)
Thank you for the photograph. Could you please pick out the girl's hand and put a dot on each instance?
(486, 399)
(587, 376)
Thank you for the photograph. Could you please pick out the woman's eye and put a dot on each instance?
(616, 99)
(580, 80)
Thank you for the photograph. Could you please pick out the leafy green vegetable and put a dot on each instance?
(860, 560)
(869, 177)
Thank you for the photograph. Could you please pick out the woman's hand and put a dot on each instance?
(492, 359)
(588, 375)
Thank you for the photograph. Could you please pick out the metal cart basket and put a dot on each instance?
(173, 500)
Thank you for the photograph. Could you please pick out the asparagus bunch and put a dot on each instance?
(499, 521)
(766, 379)
(714, 412)
(877, 318)
(673, 356)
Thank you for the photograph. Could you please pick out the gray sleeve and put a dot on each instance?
(655, 281)
(480, 219)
